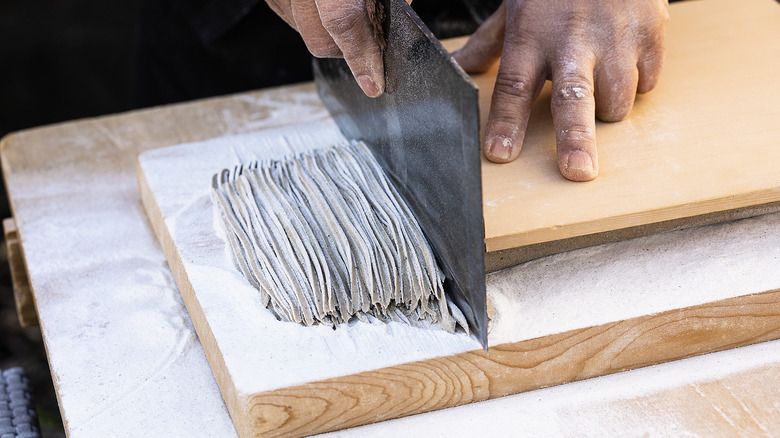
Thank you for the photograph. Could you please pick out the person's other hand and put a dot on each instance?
(598, 55)
(340, 28)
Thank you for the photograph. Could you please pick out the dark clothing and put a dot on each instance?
(186, 51)
(190, 49)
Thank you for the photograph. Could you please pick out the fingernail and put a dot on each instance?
(500, 147)
(580, 160)
(369, 86)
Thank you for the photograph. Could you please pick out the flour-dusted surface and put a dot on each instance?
(124, 356)
(627, 279)
(563, 292)
(249, 337)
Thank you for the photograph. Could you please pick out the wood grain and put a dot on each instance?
(511, 368)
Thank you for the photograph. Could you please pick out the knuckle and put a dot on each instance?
(515, 85)
(651, 62)
(343, 20)
(654, 30)
(505, 112)
(576, 134)
(503, 118)
(612, 56)
(574, 19)
(573, 88)
(614, 111)
(649, 67)
(647, 81)
(653, 37)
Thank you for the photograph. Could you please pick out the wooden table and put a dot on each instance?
(125, 359)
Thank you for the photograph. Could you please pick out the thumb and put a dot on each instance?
(349, 24)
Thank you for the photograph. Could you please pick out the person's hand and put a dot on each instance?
(340, 29)
(598, 55)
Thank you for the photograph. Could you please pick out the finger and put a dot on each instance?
(348, 24)
(317, 39)
(652, 50)
(484, 47)
(616, 82)
(518, 83)
(573, 111)
(649, 67)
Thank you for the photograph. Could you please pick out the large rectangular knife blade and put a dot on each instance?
(424, 131)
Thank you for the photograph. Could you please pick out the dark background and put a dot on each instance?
(68, 59)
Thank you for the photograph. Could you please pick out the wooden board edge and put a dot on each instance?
(511, 368)
(191, 302)
(756, 199)
(23, 296)
(497, 260)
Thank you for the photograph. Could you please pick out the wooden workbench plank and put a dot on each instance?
(119, 340)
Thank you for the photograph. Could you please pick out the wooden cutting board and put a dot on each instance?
(704, 146)
(564, 317)
(601, 310)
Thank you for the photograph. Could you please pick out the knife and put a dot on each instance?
(424, 132)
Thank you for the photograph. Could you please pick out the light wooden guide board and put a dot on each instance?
(707, 139)
(600, 311)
